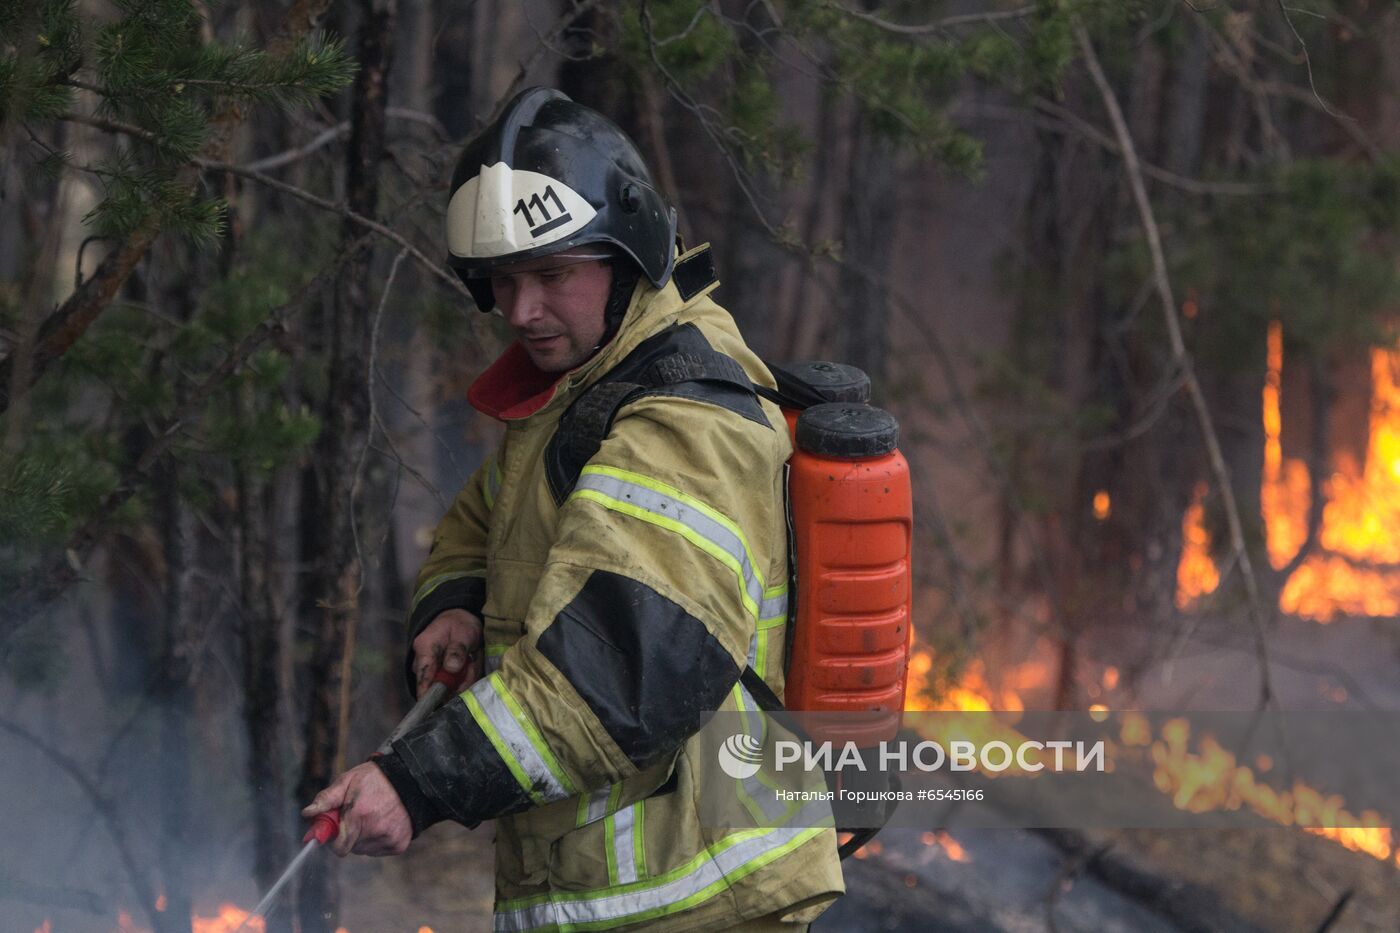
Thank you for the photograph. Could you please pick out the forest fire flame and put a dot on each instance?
(950, 846)
(1211, 779)
(1353, 569)
(226, 919)
(1206, 779)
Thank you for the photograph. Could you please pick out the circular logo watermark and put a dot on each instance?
(740, 755)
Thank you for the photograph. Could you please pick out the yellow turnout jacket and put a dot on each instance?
(624, 585)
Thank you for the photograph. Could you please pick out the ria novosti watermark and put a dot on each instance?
(1101, 769)
(740, 756)
(993, 756)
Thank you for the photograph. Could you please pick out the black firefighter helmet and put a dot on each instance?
(547, 176)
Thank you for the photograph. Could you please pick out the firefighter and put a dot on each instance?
(607, 576)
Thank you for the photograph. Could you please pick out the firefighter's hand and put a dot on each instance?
(452, 642)
(372, 820)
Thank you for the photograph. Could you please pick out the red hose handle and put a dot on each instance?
(324, 827)
(449, 679)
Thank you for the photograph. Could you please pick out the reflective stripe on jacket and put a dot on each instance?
(615, 622)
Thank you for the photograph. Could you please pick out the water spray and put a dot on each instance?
(326, 826)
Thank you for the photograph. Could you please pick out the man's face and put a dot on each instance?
(555, 306)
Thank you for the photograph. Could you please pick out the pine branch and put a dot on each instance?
(62, 328)
(680, 96)
(356, 218)
(43, 584)
(110, 126)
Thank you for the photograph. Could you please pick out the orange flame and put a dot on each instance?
(1363, 505)
(228, 919)
(1196, 575)
(1211, 779)
(1362, 509)
(1196, 781)
(972, 693)
(950, 846)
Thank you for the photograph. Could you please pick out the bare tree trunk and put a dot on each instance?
(870, 215)
(175, 697)
(260, 630)
(1163, 458)
(800, 327)
(336, 565)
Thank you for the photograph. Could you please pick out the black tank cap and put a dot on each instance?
(847, 431)
(812, 382)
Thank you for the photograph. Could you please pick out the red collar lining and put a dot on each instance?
(512, 387)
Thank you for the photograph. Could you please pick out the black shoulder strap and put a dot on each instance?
(762, 694)
(678, 361)
(768, 701)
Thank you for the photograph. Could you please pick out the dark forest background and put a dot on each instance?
(233, 368)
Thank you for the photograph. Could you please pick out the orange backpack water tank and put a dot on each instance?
(851, 508)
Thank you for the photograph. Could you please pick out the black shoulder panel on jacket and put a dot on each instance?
(650, 671)
(457, 769)
(679, 362)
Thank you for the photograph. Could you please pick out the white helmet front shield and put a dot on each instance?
(503, 210)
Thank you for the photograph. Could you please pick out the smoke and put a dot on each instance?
(116, 785)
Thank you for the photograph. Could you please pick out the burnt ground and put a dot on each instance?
(1274, 879)
(1266, 879)
(1237, 881)
(1013, 880)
